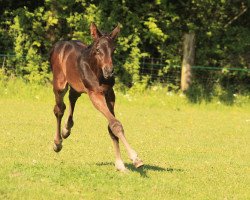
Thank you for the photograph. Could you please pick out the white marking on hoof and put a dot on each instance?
(65, 133)
(133, 156)
(119, 165)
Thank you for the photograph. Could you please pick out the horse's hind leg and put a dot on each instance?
(73, 96)
(59, 111)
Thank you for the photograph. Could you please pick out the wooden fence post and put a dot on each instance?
(4, 59)
(188, 60)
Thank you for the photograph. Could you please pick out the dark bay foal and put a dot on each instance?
(88, 69)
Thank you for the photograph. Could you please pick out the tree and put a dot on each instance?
(149, 29)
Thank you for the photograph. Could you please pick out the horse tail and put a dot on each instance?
(50, 56)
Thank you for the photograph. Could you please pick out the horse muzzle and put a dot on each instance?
(108, 72)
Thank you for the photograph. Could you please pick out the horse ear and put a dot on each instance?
(115, 32)
(95, 33)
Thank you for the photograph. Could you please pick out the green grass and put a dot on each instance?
(190, 151)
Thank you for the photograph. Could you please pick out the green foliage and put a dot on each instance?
(149, 29)
(154, 31)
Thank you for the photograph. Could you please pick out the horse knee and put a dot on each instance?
(113, 137)
(116, 128)
(59, 110)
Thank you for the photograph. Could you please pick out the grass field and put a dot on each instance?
(190, 151)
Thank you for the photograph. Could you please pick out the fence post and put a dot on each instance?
(188, 60)
(3, 65)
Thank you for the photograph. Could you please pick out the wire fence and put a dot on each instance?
(157, 71)
(233, 78)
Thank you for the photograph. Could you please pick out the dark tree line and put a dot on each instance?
(149, 29)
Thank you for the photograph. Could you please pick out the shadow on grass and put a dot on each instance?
(197, 94)
(144, 169)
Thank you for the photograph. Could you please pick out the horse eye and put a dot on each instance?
(97, 50)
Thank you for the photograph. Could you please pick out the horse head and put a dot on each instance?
(103, 49)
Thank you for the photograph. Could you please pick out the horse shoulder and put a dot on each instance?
(95, 84)
(67, 56)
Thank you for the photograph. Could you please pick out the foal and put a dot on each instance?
(88, 69)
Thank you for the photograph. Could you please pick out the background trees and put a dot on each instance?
(150, 29)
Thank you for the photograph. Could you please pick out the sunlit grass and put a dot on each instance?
(190, 151)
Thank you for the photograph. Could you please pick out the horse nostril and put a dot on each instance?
(110, 70)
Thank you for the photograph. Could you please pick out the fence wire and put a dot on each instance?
(155, 70)
(208, 77)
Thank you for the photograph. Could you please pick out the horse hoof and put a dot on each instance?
(65, 133)
(57, 147)
(122, 169)
(138, 163)
(119, 165)
(125, 171)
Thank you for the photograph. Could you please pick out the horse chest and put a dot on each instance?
(104, 87)
(106, 84)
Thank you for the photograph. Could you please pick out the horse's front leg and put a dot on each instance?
(110, 100)
(99, 102)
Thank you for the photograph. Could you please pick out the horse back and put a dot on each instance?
(64, 58)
